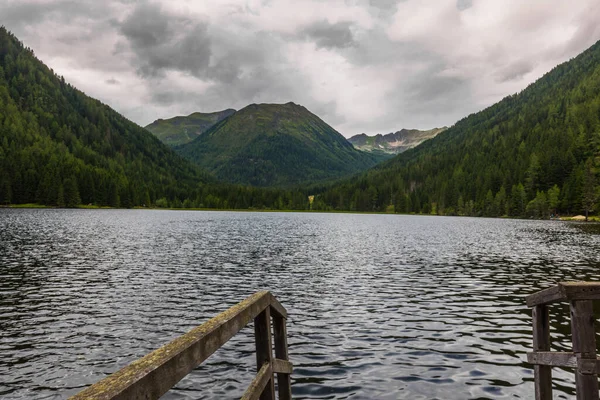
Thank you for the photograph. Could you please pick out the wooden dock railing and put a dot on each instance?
(583, 357)
(156, 373)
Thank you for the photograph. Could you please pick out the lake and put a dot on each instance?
(381, 306)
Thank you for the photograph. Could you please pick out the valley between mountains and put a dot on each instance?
(533, 154)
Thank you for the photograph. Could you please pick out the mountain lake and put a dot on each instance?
(380, 306)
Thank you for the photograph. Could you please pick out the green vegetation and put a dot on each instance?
(531, 155)
(59, 147)
(180, 130)
(275, 145)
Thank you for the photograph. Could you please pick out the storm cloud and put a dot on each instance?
(329, 35)
(362, 66)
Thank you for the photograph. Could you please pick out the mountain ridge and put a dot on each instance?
(181, 129)
(533, 154)
(275, 145)
(393, 142)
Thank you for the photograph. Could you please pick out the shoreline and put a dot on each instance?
(568, 218)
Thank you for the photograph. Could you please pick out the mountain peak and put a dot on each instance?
(393, 142)
(275, 145)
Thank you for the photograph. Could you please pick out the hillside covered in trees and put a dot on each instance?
(183, 129)
(275, 145)
(59, 147)
(532, 154)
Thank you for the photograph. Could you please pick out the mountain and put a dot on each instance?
(181, 130)
(275, 145)
(59, 147)
(532, 154)
(393, 143)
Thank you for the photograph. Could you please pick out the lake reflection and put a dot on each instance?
(381, 306)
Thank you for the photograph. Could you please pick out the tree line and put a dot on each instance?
(534, 154)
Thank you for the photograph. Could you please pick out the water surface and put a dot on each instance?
(381, 306)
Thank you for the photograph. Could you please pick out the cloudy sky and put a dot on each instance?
(371, 66)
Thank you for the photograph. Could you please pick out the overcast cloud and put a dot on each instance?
(361, 65)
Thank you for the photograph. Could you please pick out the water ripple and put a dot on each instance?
(381, 306)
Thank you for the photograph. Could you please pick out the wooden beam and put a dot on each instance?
(153, 375)
(545, 296)
(541, 342)
(282, 366)
(277, 308)
(284, 383)
(259, 383)
(584, 347)
(565, 291)
(581, 290)
(552, 358)
(264, 349)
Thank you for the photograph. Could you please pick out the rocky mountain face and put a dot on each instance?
(393, 143)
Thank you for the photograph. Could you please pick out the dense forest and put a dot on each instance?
(533, 154)
(59, 147)
(275, 145)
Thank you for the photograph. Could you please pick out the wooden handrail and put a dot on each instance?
(156, 373)
(565, 291)
(583, 357)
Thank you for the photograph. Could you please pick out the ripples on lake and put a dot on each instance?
(381, 306)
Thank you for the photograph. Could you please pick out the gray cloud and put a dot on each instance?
(515, 70)
(464, 4)
(23, 13)
(363, 66)
(161, 41)
(328, 35)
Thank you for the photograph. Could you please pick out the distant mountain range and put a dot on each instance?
(532, 154)
(393, 143)
(275, 145)
(181, 130)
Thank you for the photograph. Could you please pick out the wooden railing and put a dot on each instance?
(156, 373)
(583, 357)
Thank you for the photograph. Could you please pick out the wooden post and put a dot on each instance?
(584, 347)
(541, 342)
(264, 349)
(284, 383)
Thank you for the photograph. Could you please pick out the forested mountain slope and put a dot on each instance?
(61, 147)
(531, 154)
(275, 145)
(183, 129)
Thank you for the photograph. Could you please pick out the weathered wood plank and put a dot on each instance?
(277, 308)
(260, 382)
(264, 349)
(541, 342)
(552, 358)
(565, 291)
(284, 383)
(282, 366)
(584, 347)
(153, 375)
(546, 296)
(581, 290)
